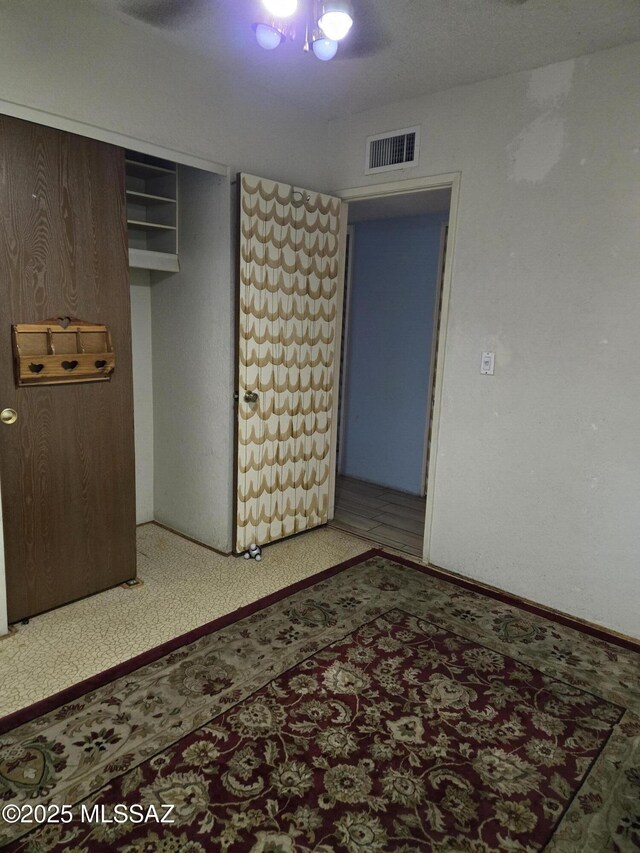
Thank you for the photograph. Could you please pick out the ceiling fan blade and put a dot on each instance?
(163, 13)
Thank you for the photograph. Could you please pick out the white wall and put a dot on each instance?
(69, 58)
(141, 341)
(538, 469)
(193, 368)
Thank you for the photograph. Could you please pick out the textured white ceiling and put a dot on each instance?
(397, 49)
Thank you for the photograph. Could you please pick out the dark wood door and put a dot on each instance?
(67, 463)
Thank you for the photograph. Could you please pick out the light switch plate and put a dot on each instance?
(488, 363)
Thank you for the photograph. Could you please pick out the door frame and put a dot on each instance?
(452, 181)
(434, 353)
(344, 353)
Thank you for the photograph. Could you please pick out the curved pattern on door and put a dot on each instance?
(288, 312)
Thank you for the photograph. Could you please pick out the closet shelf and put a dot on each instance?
(134, 223)
(148, 260)
(137, 169)
(148, 199)
(152, 212)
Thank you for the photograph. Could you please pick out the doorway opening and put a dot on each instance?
(396, 292)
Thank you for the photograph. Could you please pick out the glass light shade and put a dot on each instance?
(281, 8)
(336, 19)
(267, 36)
(325, 49)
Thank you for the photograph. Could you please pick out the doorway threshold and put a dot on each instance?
(380, 514)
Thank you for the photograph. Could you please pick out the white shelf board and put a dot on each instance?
(145, 170)
(147, 260)
(135, 223)
(147, 198)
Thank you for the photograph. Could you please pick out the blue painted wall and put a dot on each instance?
(395, 270)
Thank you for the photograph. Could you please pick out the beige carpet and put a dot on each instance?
(184, 586)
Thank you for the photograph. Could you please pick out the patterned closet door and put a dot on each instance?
(289, 313)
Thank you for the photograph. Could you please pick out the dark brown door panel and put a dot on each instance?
(67, 463)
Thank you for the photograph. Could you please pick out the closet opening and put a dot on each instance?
(179, 227)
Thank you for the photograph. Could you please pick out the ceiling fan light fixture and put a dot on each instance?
(335, 19)
(281, 8)
(324, 48)
(268, 36)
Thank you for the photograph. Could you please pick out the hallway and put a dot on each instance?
(380, 514)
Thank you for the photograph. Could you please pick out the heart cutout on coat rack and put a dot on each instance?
(36, 368)
(101, 363)
(70, 365)
(64, 321)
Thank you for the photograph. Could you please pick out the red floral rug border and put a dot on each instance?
(586, 776)
(75, 691)
(514, 601)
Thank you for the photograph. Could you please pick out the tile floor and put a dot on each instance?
(185, 586)
(381, 515)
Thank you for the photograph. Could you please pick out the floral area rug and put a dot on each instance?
(380, 708)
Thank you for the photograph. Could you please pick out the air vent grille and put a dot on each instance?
(395, 150)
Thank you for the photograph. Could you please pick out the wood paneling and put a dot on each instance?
(67, 465)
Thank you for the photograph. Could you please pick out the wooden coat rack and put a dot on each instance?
(62, 350)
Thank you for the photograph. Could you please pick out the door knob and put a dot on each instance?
(8, 416)
(250, 397)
